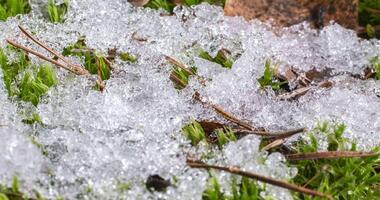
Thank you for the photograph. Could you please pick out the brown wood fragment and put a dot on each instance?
(224, 113)
(265, 179)
(138, 38)
(179, 64)
(273, 144)
(296, 93)
(138, 2)
(209, 126)
(290, 12)
(328, 155)
(272, 135)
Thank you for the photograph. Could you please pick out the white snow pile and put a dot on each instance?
(95, 141)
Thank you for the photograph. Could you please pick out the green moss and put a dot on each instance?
(375, 62)
(127, 57)
(10, 8)
(57, 12)
(91, 59)
(161, 4)
(269, 79)
(221, 58)
(247, 189)
(24, 80)
(194, 132)
(343, 178)
(225, 136)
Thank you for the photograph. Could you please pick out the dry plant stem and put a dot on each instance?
(34, 39)
(31, 51)
(178, 64)
(295, 93)
(92, 51)
(177, 81)
(328, 155)
(225, 114)
(269, 180)
(273, 144)
(100, 81)
(273, 135)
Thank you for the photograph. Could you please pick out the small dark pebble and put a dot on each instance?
(157, 183)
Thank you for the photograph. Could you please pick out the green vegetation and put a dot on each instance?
(369, 15)
(34, 118)
(127, 57)
(182, 76)
(343, 178)
(10, 8)
(169, 6)
(269, 79)
(375, 62)
(161, 4)
(221, 58)
(194, 132)
(24, 80)
(369, 11)
(57, 12)
(123, 187)
(247, 189)
(13, 192)
(92, 61)
(225, 136)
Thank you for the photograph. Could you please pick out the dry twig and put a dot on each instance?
(272, 135)
(76, 69)
(328, 155)
(269, 180)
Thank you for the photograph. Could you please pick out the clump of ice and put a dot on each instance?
(97, 140)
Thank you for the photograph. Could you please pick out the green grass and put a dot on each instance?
(13, 192)
(225, 136)
(91, 58)
(247, 189)
(183, 76)
(343, 178)
(221, 58)
(269, 79)
(194, 132)
(161, 4)
(10, 8)
(24, 80)
(57, 12)
(375, 62)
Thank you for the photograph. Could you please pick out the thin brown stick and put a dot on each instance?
(34, 39)
(77, 71)
(100, 80)
(273, 144)
(177, 80)
(269, 180)
(92, 52)
(294, 94)
(328, 155)
(224, 113)
(272, 135)
(179, 64)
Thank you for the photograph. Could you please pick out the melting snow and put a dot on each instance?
(96, 140)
